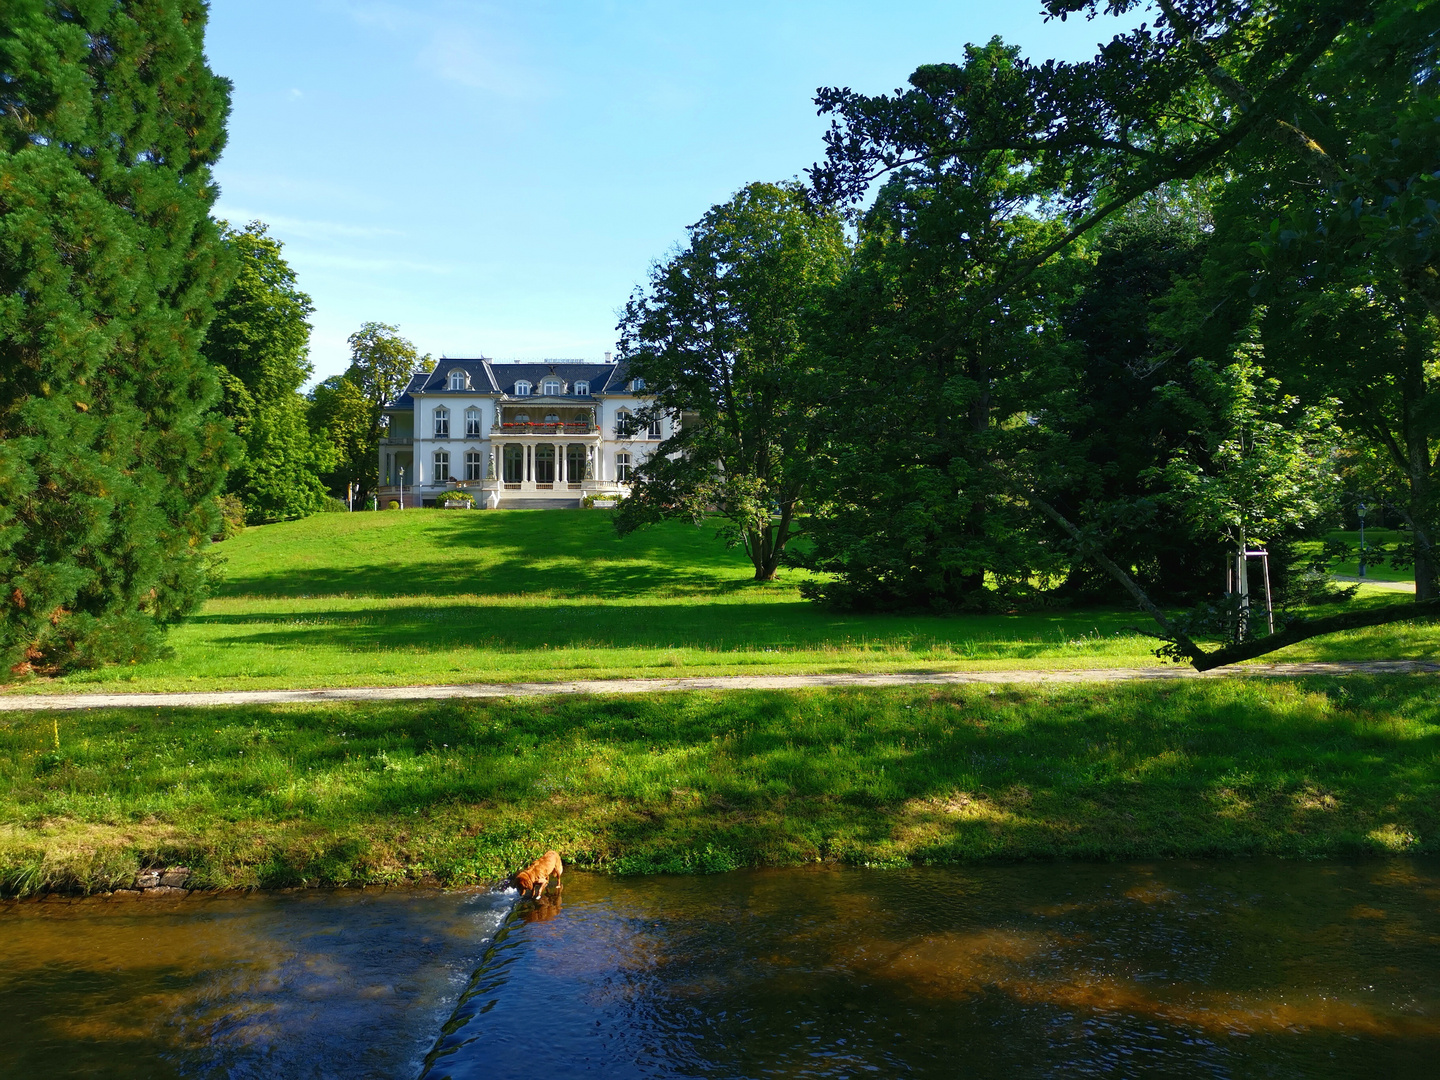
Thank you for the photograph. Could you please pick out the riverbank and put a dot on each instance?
(465, 790)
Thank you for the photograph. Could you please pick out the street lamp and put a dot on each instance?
(1360, 509)
(402, 486)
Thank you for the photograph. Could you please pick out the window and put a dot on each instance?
(622, 467)
(551, 388)
(552, 418)
(459, 380)
(544, 463)
(472, 422)
(442, 467)
(472, 465)
(637, 385)
(624, 424)
(514, 463)
(655, 429)
(522, 389)
(442, 423)
(523, 418)
(582, 389)
(577, 463)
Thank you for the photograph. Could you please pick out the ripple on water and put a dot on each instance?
(1242, 968)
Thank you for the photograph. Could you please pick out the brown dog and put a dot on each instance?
(532, 880)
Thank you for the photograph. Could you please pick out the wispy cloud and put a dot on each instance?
(300, 256)
(459, 43)
(308, 228)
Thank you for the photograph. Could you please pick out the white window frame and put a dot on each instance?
(474, 465)
(472, 422)
(522, 389)
(441, 461)
(556, 384)
(636, 385)
(582, 389)
(654, 431)
(442, 422)
(624, 424)
(622, 467)
(459, 379)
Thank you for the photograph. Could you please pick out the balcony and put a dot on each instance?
(579, 427)
(397, 440)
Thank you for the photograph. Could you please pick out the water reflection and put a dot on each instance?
(309, 984)
(1204, 969)
(1226, 969)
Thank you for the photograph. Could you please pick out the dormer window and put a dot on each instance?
(522, 389)
(472, 423)
(582, 389)
(442, 423)
(459, 379)
(552, 388)
(636, 385)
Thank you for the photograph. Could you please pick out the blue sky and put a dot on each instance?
(496, 178)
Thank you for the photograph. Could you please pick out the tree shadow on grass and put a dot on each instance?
(564, 553)
(722, 627)
(951, 774)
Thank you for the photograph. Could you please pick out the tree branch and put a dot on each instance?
(1304, 629)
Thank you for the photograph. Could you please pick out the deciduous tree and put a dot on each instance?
(718, 338)
(259, 344)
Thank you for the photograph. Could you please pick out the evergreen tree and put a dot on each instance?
(110, 266)
(259, 343)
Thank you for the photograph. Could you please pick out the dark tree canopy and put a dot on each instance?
(110, 266)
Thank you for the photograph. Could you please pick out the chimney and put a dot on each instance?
(607, 356)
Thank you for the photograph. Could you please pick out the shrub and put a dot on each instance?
(392, 505)
(232, 517)
(331, 505)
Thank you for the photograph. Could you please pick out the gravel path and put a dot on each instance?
(43, 702)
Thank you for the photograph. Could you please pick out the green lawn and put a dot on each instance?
(1382, 538)
(434, 596)
(464, 791)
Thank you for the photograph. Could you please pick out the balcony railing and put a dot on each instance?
(579, 427)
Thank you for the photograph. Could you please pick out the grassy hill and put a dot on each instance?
(459, 791)
(435, 596)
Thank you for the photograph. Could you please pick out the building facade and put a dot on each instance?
(516, 435)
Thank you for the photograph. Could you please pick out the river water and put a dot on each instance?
(1227, 969)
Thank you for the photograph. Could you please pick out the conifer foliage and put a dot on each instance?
(110, 453)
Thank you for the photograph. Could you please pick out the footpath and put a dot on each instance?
(49, 702)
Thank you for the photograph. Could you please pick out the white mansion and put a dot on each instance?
(515, 435)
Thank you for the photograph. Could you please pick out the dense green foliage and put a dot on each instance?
(349, 409)
(259, 343)
(465, 791)
(1135, 295)
(110, 267)
(717, 336)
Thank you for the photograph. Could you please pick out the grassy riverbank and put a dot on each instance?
(462, 791)
(434, 596)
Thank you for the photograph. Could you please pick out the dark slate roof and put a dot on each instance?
(497, 377)
(481, 381)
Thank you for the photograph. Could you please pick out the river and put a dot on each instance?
(1248, 968)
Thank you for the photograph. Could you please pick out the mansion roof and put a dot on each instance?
(490, 377)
